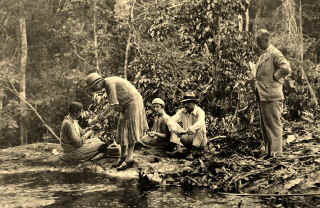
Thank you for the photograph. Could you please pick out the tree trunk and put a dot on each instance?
(125, 69)
(23, 65)
(240, 22)
(1, 99)
(96, 48)
(219, 33)
(247, 20)
(314, 99)
(256, 9)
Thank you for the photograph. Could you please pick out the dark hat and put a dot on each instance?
(92, 79)
(189, 97)
(75, 107)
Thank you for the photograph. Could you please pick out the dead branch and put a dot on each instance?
(268, 195)
(242, 176)
(16, 93)
(217, 137)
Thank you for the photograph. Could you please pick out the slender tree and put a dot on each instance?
(129, 41)
(96, 47)
(23, 65)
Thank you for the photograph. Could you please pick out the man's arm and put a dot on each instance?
(282, 65)
(113, 96)
(164, 131)
(199, 123)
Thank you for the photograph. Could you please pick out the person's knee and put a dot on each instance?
(103, 148)
(187, 141)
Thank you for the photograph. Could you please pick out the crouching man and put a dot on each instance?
(193, 133)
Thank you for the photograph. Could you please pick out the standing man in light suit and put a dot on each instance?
(268, 76)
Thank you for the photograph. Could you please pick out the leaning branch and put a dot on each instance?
(16, 93)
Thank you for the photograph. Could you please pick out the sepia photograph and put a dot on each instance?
(159, 103)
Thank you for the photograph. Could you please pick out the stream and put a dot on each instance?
(50, 188)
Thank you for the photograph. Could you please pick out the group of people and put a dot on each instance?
(187, 128)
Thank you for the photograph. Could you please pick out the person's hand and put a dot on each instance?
(181, 132)
(88, 134)
(152, 133)
(92, 122)
(190, 131)
(117, 107)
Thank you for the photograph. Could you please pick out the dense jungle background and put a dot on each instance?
(164, 47)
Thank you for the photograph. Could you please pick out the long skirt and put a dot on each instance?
(89, 150)
(132, 124)
(271, 126)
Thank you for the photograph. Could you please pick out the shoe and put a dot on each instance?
(177, 150)
(261, 155)
(119, 163)
(266, 157)
(125, 165)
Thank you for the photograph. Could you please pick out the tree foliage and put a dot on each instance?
(182, 46)
(175, 46)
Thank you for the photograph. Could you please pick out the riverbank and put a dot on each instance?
(290, 181)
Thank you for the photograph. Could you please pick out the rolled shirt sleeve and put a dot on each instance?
(201, 122)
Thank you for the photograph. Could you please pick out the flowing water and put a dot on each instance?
(50, 188)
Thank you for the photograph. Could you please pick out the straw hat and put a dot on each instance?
(92, 79)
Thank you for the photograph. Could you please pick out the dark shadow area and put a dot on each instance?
(32, 179)
(126, 196)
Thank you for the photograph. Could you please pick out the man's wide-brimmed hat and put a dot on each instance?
(92, 79)
(189, 97)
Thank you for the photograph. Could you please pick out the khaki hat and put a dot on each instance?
(92, 79)
(158, 101)
(189, 96)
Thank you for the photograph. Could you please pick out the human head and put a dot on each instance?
(94, 82)
(189, 101)
(75, 109)
(158, 105)
(263, 39)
